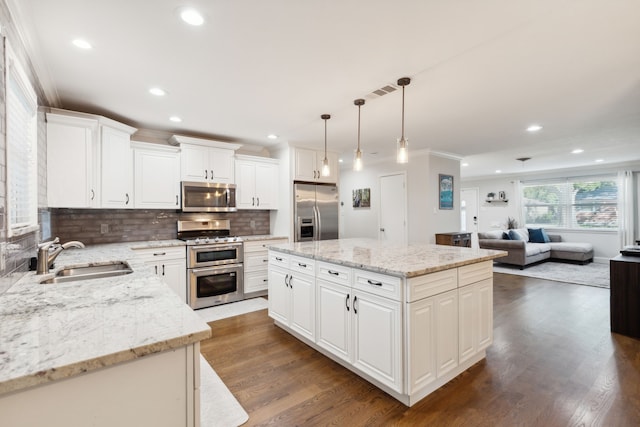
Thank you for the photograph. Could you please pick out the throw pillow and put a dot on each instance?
(505, 236)
(538, 235)
(514, 235)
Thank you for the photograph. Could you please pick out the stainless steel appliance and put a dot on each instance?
(214, 262)
(208, 197)
(315, 211)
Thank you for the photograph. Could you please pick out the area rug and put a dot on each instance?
(218, 407)
(223, 311)
(592, 274)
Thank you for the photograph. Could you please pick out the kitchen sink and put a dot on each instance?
(95, 271)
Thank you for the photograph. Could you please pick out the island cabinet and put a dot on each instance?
(407, 335)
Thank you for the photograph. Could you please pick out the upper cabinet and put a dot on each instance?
(89, 161)
(72, 162)
(206, 160)
(257, 182)
(308, 166)
(116, 166)
(156, 176)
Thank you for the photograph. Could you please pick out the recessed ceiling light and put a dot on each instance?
(175, 119)
(534, 128)
(465, 164)
(272, 136)
(192, 17)
(599, 160)
(577, 151)
(498, 171)
(157, 91)
(339, 160)
(82, 44)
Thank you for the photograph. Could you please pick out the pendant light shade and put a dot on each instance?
(402, 147)
(326, 171)
(357, 160)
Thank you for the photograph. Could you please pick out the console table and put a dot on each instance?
(624, 276)
(456, 238)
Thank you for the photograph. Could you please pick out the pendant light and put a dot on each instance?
(325, 162)
(357, 160)
(402, 148)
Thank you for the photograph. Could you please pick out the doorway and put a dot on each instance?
(469, 213)
(392, 224)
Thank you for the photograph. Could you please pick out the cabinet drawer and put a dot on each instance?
(255, 261)
(472, 273)
(262, 245)
(255, 281)
(334, 273)
(279, 259)
(431, 284)
(302, 265)
(378, 284)
(159, 254)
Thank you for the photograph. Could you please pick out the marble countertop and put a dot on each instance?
(54, 331)
(403, 260)
(259, 237)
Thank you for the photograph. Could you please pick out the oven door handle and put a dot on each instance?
(218, 269)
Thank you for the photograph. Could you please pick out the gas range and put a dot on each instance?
(206, 231)
(206, 240)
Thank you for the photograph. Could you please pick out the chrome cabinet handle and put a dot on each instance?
(285, 280)
(206, 172)
(355, 308)
(335, 273)
(127, 196)
(253, 201)
(156, 269)
(371, 282)
(159, 253)
(302, 265)
(176, 200)
(163, 269)
(211, 173)
(258, 199)
(93, 194)
(346, 302)
(279, 259)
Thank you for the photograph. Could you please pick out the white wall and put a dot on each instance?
(423, 216)
(494, 215)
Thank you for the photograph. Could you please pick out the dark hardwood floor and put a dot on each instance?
(553, 362)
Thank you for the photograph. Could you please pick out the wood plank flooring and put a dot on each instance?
(554, 362)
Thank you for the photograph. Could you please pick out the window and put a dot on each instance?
(586, 203)
(22, 148)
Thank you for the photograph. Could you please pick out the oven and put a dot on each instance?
(215, 271)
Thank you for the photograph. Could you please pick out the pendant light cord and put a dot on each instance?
(325, 138)
(359, 127)
(402, 136)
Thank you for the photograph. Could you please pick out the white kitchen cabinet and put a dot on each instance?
(334, 307)
(156, 176)
(116, 161)
(476, 318)
(170, 264)
(72, 162)
(446, 350)
(256, 259)
(89, 161)
(307, 166)
(377, 330)
(257, 182)
(204, 160)
(279, 294)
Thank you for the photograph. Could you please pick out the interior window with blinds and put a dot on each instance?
(22, 148)
(585, 203)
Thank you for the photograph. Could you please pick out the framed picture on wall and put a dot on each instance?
(445, 191)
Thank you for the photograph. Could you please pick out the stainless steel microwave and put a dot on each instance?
(208, 197)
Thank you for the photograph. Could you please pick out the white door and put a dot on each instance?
(469, 213)
(393, 208)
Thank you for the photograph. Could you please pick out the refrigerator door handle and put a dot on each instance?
(318, 227)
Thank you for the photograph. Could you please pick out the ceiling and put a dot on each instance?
(482, 71)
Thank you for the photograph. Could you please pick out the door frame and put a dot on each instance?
(404, 189)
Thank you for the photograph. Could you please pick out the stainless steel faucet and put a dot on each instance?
(49, 251)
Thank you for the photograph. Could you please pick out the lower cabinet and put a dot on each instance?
(170, 264)
(476, 318)
(256, 259)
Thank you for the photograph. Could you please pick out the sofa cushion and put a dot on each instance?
(518, 234)
(505, 236)
(538, 235)
(493, 234)
(572, 251)
(537, 248)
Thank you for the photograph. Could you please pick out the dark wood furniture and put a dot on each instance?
(456, 238)
(624, 274)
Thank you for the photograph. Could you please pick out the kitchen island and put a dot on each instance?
(122, 350)
(407, 318)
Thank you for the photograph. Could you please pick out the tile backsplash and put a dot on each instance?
(97, 226)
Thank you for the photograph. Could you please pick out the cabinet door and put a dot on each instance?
(484, 292)
(194, 163)
(71, 165)
(266, 186)
(334, 304)
(279, 295)
(303, 304)
(422, 344)
(467, 336)
(117, 169)
(221, 166)
(174, 273)
(246, 185)
(378, 338)
(446, 306)
(157, 179)
(305, 165)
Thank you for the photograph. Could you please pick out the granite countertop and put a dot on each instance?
(55, 331)
(402, 260)
(258, 237)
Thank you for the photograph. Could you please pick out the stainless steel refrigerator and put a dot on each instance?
(315, 212)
